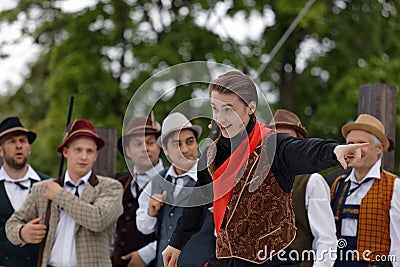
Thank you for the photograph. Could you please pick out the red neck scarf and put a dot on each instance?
(225, 176)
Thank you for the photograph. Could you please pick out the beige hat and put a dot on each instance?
(370, 124)
(286, 118)
(174, 122)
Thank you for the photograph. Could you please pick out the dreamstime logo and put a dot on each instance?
(342, 243)
(331, 254)
(172, 82)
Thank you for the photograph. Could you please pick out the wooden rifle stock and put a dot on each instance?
(59, 181)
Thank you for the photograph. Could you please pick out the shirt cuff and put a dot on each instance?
(148, 252)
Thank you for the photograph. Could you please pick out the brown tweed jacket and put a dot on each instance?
(95, 214)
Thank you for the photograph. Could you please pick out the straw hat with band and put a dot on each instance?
(370, 124)
(79, 128)
(285, 118)
(12, 126)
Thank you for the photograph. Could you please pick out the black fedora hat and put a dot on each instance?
(12, 126)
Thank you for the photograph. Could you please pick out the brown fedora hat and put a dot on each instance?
(139, 126)
(283, 117)
(12, 126)
(80, 128)
(370, 124)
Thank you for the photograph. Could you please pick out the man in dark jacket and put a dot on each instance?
(16, 179)
(139, 146)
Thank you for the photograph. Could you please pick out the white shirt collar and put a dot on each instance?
(374, 172)
(192, 173)
(30, 174)
(143, 178)
(153, 171)
(84, 178)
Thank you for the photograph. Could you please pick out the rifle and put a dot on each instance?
(59, 180)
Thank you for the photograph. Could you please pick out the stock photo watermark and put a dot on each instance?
(330, 254)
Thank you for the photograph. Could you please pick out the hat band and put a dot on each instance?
(147, 127)
(14, 130)
(80, 131)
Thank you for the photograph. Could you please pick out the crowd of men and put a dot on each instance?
(266, 207)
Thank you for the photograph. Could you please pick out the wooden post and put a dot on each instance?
(379, 100)
(105, 164)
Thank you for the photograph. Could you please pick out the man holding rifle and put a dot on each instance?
(84, 209)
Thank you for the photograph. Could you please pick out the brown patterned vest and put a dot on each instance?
(259, 220)
(373, 231)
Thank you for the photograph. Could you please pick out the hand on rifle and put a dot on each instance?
(52, 189)
(156, 202)
(33, 232)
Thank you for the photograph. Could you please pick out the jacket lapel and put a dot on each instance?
(90, 192)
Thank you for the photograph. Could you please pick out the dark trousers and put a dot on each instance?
(351, 244)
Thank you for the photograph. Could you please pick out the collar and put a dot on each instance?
(192, 173)
(153, 171)
(84, 178)
(374, 172)
(30, 174)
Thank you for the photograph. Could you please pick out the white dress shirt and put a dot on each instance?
(143, 178)
(321, 220)
(146, 223)
(349, 225)
(148, 252)
(63, 252)
(15, 194)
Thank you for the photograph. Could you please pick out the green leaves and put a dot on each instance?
(104, 53)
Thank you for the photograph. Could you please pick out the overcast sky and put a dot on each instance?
(21, 52)
(14, 68)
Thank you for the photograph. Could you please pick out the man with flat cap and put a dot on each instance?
(84, 208)
(16, 180)
(138, 145)
(366, 203)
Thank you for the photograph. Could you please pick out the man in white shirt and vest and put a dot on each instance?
(16, 180)
(316, 232)
(366, 203)
(84, 207)
(170, 192)
(139, 146)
